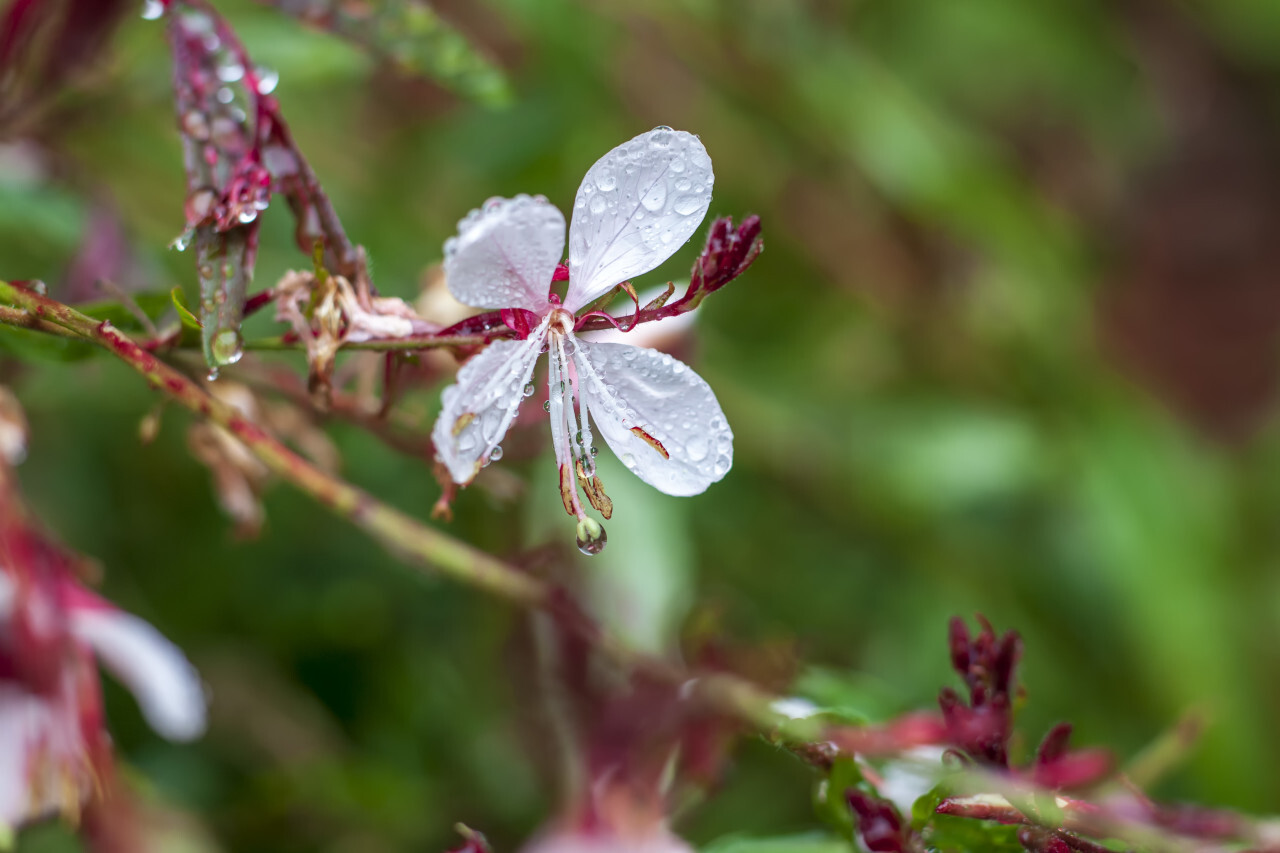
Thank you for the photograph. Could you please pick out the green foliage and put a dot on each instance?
(926, 420)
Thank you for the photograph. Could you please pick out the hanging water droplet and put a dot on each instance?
(591, 537)
(546, 405)
(152, 10)
(231, 72)
(545, 348)
(247, 216)
(628, 460)
(213, 374)
(528, 390)
(495, 454)
(593, 450)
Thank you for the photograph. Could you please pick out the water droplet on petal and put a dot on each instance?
(687, 204)
(628, 460)
(528, 390)
(591, 537)
(231, 72)
(655, 197)
(722, 465)
(698, 447)
(546, 405)
(606, 180)
(598, 204)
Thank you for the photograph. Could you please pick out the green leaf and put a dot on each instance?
(828, 799)
(189, 319)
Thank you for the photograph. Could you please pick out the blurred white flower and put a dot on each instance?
(54, 748)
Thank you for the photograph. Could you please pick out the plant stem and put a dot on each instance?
(401, 534)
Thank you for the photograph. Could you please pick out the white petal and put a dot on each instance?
(505, 254)
(636, 206)
(628, 387)
(43, 760)
(164, 682)
(480, 407)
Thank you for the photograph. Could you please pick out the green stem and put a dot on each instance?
(398, 532)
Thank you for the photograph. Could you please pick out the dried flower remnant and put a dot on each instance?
(239, 477)
(326, 311)
(635, 207)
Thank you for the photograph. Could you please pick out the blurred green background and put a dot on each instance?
(1011, 348)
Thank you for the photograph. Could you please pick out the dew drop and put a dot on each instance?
(593, 451)
(528, 390)
(495, 454)
(226, 347)
(628, 460)
(677, 165)
(591, 537)
(231, 72)
(722, 465)
(152, 10)
(247, 216)
(546, 405)
(212, 375)
(698, 447)
(598, 204)
(660, 136)
(687, 204)
(225, 95)
(656, 196)
(606, 180)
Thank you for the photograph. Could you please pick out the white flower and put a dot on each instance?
(636, 206)
(54, 750)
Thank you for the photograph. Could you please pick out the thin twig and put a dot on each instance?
(401, 534)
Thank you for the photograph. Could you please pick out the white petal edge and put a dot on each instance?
(165, 684)
(628, 387)
(490, 388)
(505, 253)
(636, 206)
